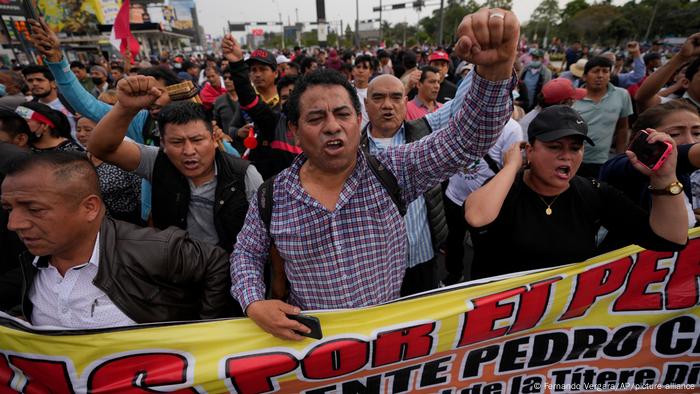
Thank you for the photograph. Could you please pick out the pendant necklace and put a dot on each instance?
(548, 211)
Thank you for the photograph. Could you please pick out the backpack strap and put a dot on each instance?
(388, 181)
(265, 202)
(492, 163)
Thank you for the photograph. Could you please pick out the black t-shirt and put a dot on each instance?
(523, 237)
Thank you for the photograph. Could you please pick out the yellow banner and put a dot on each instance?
(628, 320)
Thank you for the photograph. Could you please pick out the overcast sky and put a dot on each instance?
(213, 14)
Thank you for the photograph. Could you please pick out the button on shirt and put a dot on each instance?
(420, 246)
(72, 300)
(355, 255)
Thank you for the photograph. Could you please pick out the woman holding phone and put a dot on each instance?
(680, 121)
(545, 215)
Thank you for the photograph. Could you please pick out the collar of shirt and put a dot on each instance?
(692, 100)
(422, 104)
(374, 145)
(272, 101)
(42, 262)
(611, 87)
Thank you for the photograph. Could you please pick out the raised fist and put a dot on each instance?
(45, 40)
(137, 92)
(488, 37)
(691, 47)
(231, 50)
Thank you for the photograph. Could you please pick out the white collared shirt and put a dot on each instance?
(72, 300)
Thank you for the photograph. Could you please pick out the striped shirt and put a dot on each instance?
(420, 245)
(355, 255)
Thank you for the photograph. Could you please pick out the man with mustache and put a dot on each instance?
(338, 230)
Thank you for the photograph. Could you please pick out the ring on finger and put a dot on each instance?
(497, 15)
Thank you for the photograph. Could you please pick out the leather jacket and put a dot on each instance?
(153, 275)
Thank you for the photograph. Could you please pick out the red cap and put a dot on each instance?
(439, 55)
(561, 89)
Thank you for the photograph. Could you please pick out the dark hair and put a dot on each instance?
(382, 54)
(186, 65)
(13, 124)
(62, 127)
(294, 65)
(306, 63)
(216, 70)
(318, 77)
(286, 81)
(597, 61)
(364, 59)
(652, 117)
(182, 112)
(346, 67)
(651, 56)
(118, 68)
(347, 56)
(692, 69)
(37, 69)
(161, 74)
(425, 70)
(67, 167)
(409, 59)
(78, 64)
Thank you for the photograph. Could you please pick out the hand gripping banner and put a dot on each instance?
(628, 320)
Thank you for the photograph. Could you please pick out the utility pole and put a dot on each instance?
(381, 27)
(651, 21)
(442, 22)
(282, 23)
(357, 23)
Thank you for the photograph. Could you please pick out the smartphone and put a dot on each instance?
(652, 155)
(309, 321)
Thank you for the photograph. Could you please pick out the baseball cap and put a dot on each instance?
(439, 55)
(264, 57)
(561, 89)
(556, 122)
(281, 59)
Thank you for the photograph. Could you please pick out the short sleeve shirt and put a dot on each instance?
(602, 118)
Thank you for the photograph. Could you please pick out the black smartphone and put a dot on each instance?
(309, 321)
(652, 155)
(31, 9)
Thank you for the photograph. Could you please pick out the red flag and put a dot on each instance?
(121, 37)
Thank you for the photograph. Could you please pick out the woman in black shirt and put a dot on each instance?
(547, 216)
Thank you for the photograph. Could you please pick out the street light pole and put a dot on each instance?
(357, 23)
(442, 22)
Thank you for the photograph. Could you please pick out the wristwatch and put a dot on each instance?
(673, 189)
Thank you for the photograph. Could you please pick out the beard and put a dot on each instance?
(42, 94)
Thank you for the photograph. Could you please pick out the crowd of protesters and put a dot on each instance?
(264, 183)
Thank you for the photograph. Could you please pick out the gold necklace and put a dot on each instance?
(548, 211)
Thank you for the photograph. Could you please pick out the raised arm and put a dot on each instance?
(647, 95)
(484, 204)
(488, 39)
(668, 217)
(82, 101)
(638, 67)
(263, 116)
(107, 139)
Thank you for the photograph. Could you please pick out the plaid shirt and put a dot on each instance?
(355, 256)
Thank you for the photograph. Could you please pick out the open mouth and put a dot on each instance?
(388, 115)
(334, 146)
(563, 172)
(191, 164)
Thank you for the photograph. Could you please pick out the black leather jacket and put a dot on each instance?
(155, 276)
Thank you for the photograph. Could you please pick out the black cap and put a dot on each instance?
(264, 57)
(556, 122)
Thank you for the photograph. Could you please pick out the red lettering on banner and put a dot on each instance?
(643, 273)
(531, 304)
(254, 373)
(6, 376)
(403, 344)
(594, 283)
(43, 376)
(682, 289)
(140, 373)
(335, 358)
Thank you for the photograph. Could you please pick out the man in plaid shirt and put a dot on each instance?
(336, 227)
